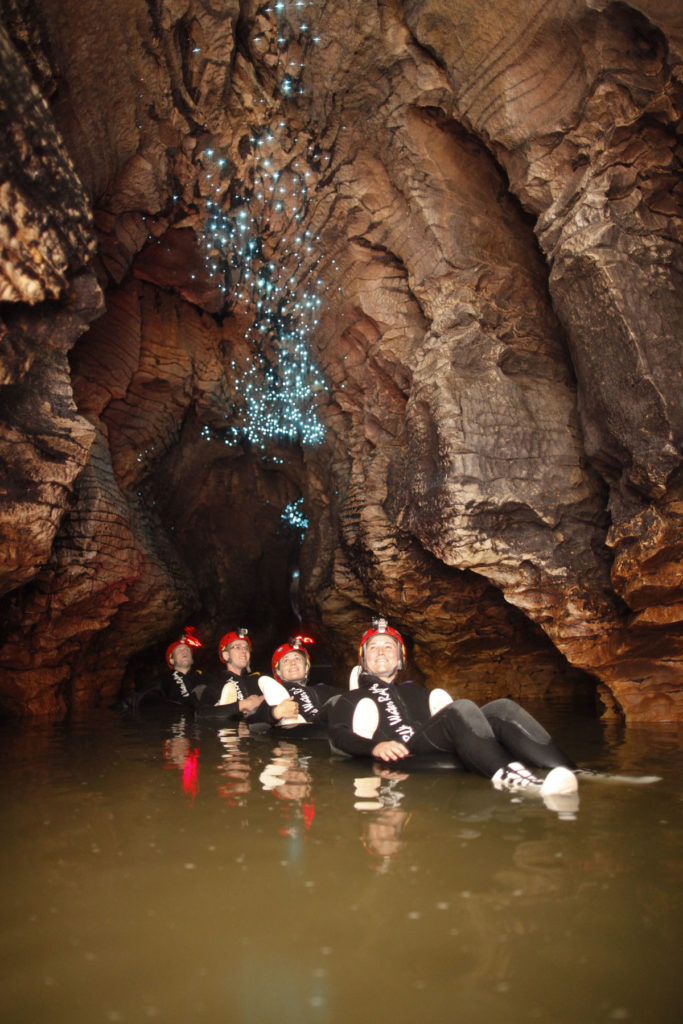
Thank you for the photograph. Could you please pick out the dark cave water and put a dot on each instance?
(164, 869)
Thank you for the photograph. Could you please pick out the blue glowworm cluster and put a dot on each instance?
(267, 263)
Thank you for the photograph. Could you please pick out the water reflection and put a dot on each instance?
(378, 798)
(287, 777)
(179, 753)
(273, 880)
(234, 766)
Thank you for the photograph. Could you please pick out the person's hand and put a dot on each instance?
(250, 703)
(388, 774)
(286, 709)
(390, 750)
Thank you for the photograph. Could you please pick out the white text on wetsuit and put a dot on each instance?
(307, 708)
(391, 712)
(180, 680)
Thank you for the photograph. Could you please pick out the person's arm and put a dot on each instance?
(249, 704)
(322, 694)
(390, 750)
(266, 714)
(204, 689)
(283, 707)
(262, 715)
(310, 702)
(285, 710)
(253, 698)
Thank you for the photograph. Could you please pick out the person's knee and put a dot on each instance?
(463, 705)
(467, 713)
(502, 707)
(508, 718)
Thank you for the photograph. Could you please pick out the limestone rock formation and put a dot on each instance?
(416, 264)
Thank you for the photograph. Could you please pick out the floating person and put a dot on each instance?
(239, 695)
(290, 698)
(392, 721)
(182, 684)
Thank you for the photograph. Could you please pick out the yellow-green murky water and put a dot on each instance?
(156, 869)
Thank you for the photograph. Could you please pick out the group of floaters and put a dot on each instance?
(382, 714)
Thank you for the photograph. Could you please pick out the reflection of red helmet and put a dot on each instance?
(188, 637)
(229, 638)
(380, 627)
(296, 645)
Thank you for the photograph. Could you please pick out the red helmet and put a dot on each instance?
(229, 638)
(296, 644)
(188, 637)
(380, 627)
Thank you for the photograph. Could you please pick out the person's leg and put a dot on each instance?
(522, 736)
(461, 728)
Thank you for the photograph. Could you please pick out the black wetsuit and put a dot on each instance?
(313, 702)
(246, 685)
(482, 740)
(191, 689)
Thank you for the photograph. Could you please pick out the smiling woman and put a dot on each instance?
(393, 721)
(291, 699)
(382, 652)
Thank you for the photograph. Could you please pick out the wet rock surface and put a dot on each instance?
(476, 213)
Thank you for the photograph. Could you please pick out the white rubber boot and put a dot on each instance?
(438, 700)
(559, 782)
(228, 694)
(516, 776)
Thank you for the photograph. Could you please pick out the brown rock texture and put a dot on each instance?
(416, 263)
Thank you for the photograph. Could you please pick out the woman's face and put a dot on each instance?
(292, 666)
(381, 656)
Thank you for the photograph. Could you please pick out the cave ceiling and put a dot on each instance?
(317, 309)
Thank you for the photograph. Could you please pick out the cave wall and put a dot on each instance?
(483, 206)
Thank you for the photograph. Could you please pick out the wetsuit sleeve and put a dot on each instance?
(312, 701)
(222, 712)
(325, 693)
(206, 690)
(339, 725)
(249, 684)
(263, 714)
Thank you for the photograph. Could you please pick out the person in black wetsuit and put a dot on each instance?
(305, 704)
(391, 721)
(182, 684)
(239, 695)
